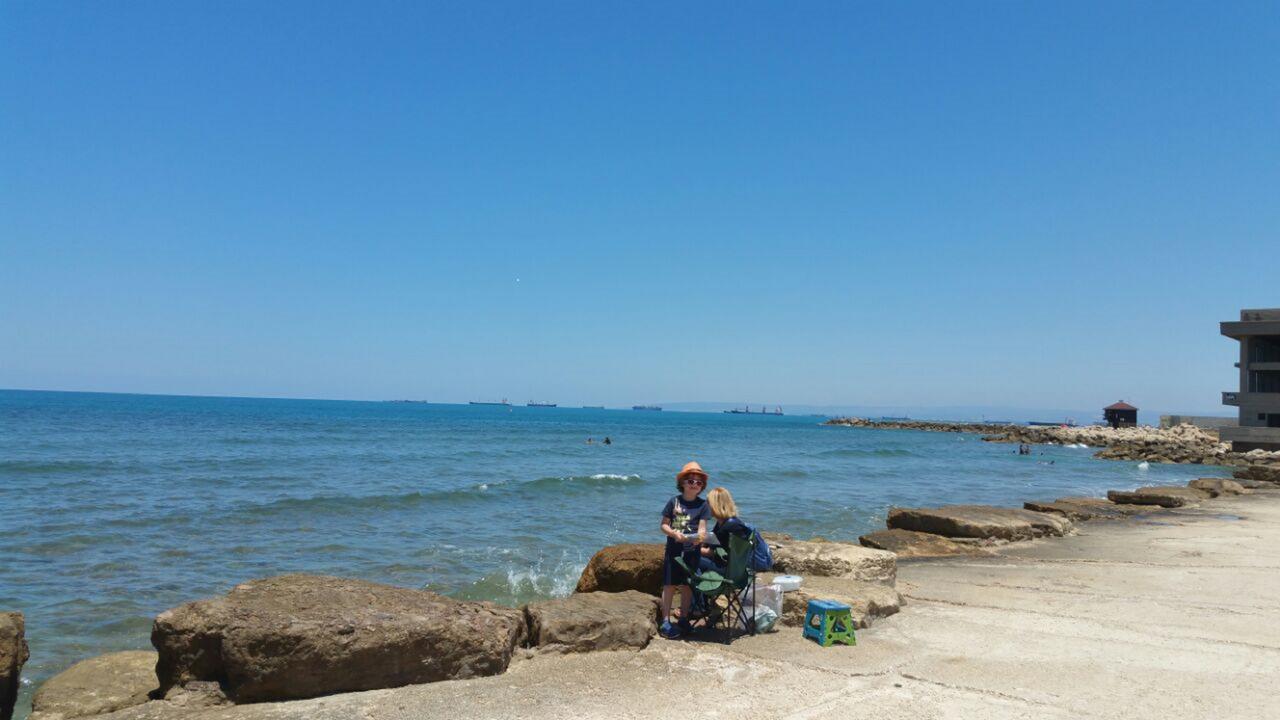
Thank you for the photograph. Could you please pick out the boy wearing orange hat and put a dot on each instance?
(684, 522)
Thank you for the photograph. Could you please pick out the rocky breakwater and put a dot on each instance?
(300, 636)
(1179, 444)
(924, 425)
(13, 655)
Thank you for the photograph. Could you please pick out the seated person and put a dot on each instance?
(725, 511)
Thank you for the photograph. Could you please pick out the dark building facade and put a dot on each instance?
(1259, 395)
(1120, 414)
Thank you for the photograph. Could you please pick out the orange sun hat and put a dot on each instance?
(691, 468)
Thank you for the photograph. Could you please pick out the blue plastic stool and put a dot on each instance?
(827, 622)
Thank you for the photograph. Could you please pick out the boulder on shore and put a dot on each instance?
(1169, 496)
(1088, 508)
(866, 600)
(1217, 486)
(13, 655)
(979, 521)
(97, 686)
(618, 568)
(1260, 473)
(300, 636)
(593, 621)
(912, 544)
(835, 559)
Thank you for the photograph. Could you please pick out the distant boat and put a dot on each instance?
(539, 404)
(747, 411)
(504, 403)
(647, 407)
(592, 407)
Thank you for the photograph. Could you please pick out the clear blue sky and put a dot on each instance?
(1034, 204)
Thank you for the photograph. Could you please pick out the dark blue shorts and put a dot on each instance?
(673, 574)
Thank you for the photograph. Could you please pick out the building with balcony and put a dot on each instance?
(1259, 395)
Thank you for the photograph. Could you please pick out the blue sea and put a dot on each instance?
(116, 507)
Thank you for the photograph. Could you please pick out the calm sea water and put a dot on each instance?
(116, 507)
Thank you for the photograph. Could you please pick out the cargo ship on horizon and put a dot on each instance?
(746, 410)
(504, 403)
(656, 408)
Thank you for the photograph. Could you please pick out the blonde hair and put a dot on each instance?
(722, 505)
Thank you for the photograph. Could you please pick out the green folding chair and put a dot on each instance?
(737, 580)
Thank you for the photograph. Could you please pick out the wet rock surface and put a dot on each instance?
(1169, 496)
(593, 621)
(1088, 508)
(299, 636)
(97, 686)
(618, 568)
(835, 559)
(13, 655)
(912, 544)
(979, 521)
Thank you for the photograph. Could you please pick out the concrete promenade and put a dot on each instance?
(1173, 616)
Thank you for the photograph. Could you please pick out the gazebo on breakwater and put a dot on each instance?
(1120, 414)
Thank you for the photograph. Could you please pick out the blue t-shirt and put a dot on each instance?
(684, 516)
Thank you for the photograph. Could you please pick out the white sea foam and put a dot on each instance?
(1144, 465)
(611, 476)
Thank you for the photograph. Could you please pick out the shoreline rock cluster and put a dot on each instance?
(292, 637)
(950, 530)
(1181, 444)
(13, 655)
(300, 636)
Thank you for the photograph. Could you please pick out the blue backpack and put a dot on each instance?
(761, 556)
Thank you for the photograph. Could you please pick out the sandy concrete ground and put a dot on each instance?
(1174, 616)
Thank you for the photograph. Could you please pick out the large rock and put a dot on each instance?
(299, 636)
(912, 544)
(1170, 496)
(835, 559)
(1088, 508)
(593, 621)
(1260, 473)
(1250, 484)
(979, 521)
(866, 600)
(1217, 486)
(619, 568)
(97, 686)
(13, 655)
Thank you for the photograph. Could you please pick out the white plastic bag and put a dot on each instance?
(766, 609)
